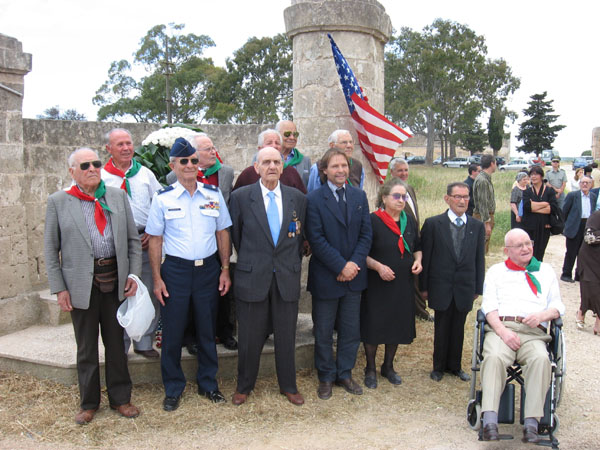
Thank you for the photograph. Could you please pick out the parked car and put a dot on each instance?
(416, 160)
(476, 158)
(500, 161)
(437, 161)
(582, 161)
(515, 164)
(456, 162)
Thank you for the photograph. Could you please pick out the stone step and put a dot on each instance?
(50, 312)
(49, 352)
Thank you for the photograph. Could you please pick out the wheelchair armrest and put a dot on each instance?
(481, 316)
(558, 322)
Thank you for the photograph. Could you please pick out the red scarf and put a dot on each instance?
(533, 266)
(99, 207)
(393, 226)
(112, 169)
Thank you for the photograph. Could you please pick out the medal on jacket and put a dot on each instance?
(294, 226)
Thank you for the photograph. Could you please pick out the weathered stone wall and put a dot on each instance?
(46, 147)
(596, 143)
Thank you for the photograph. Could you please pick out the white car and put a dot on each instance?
(456, 162)
(516, 164)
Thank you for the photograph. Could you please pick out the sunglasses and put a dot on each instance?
(289, 133)
(185, 161)
(397, 196)
(86, 165)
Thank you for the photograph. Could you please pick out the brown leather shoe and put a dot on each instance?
(239, 399)
(324, 390)
(84, 416)
(295, 399)
(350, 386)
(530, 435)
(127, 410)
(490, 432)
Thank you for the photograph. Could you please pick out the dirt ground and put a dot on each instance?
(419, 414)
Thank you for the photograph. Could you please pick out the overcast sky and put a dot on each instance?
(551, 46)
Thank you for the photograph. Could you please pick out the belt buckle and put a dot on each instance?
(198, 262)
(518, 319)
(101, 261)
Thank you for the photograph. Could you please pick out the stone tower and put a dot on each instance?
(16, 187)
(360, 28)
(596, 143)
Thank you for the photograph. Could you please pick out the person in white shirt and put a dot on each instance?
(520, 297)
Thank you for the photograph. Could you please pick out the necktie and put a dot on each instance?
(459, 222)
(273, 217)
(341, 201)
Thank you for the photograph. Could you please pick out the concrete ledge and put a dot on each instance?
(19, 312)
(49, 352)
(50, 312)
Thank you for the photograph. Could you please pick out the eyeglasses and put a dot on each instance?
(528, 244)
(208, 149)
(460, 197)
(86, 165)
(397, 196)
(185, 161)
(290, 133)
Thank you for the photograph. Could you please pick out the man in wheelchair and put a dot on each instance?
(520, 298)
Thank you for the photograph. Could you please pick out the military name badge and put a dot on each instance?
(294, 226)
(210, 208)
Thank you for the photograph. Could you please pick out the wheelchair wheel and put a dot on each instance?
(544, 430)
(474, 414)
(561, 358)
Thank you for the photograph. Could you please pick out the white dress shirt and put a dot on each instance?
(278, 201)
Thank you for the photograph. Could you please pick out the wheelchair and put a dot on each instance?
(548, 425)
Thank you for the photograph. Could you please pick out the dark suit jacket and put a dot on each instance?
(289, 177)
(469, 181)
(572, 211)
(444, 276)
(408, 209)
(259, 259)
(335, 241)
(68, 246)
(225, 176)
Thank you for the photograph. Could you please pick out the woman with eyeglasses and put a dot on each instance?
(538, 201)
(388, 304)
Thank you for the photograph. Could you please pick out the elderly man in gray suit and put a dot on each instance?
(267, 231)
(92, 245)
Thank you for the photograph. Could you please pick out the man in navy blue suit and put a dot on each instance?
(338, 229)
(577, 208)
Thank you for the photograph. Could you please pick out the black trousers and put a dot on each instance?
(255, 319)
(449, 333)
(102, 313)
(573, 245)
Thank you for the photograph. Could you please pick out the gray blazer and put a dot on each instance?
(225, 175)
(259, 259)
(68, 247)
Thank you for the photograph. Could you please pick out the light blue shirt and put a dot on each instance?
(314, 181)
(586, 205)
(334, 189)
(188, 223)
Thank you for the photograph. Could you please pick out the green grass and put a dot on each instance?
(430, 185)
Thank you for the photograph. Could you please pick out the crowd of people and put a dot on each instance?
(204, 244)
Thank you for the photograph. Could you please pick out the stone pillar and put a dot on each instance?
(596, 143)
(360, 29)
(14, 270)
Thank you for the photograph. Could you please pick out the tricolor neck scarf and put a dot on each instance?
(133, 170)
(210, 170)
(393, 226)
(533, 266)
(99, 207)
(296, 158)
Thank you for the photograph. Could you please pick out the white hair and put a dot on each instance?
(195, 137)
(72, 156)
(397, 161)
(261, 136)
(333, 137)
(114, 130)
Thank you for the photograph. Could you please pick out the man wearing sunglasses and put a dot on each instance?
(124, 172)
(291, 155)
(191, 220)
(341, 139)
(92, 246)
(452, 278)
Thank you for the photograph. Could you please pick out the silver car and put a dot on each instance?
(456, 162)
(516, 164)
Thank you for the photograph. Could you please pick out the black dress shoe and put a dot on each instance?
(461, 374)
(490, 432)
(324, 390)
(370, 379)
(148, 353)
(391, 375)
(229, 343)
(192, 348)
(350, 386)
(213, 396)
(567, 279)
(436, 375)
(171, 403)
(530, 435)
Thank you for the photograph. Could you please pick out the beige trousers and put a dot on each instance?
(533, 358)
(487, 238)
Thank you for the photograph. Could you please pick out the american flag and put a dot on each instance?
(378, 137)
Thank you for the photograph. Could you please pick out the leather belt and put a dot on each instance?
(141, 230)
(519, 319)
(105, 261)
(191, 262)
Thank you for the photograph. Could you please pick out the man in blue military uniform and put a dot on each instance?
(191, 220)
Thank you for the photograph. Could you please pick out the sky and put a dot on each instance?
(550, 45)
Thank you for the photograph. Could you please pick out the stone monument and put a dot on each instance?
(360, 28)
